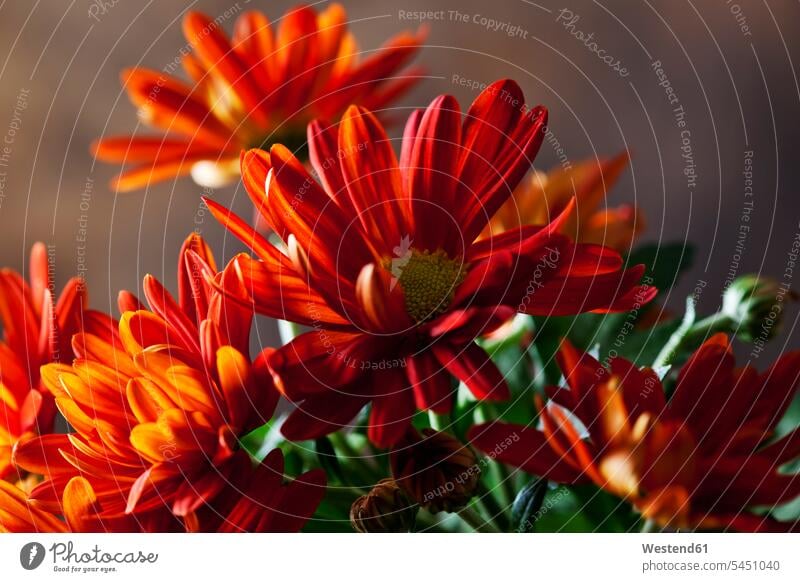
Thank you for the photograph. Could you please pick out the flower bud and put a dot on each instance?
(754, 305)
(385, 509)
(436, 470)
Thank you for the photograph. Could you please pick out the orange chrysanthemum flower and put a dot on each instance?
(381, 260)
(541, 196)
(157, 404)
(260, 87)
(19, 515)
(700, 460)
(37, 329)
(255, 499)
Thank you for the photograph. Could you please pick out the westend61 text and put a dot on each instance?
(675, 548)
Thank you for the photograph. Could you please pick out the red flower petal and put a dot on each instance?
(370, 170)
(471, 364)
(703, 384)
(433, 388)
(330, 238)
(325, 156)
(296, 56)
(193, 289)
(321, 415)
(214, 50)
(274, 289)
(322, 361)
(173, 106)
(525, 448)
(433, 171)
(299, 502)
(381, 300)
(392, 408)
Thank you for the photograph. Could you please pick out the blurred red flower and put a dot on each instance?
(702, 459)
(543, 195)
(260, 87)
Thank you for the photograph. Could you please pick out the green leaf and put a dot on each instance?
(513, 360)
(549, 333)
(293, 463)
(664, 262)
(642, 346)
(326, 455)
(464, 416)
(615, 332)
(520, 326)
(791, 418)
(525, 510)
(258, 442)
(333, 513)
(787, 512)
(515, 366)
(561, 512)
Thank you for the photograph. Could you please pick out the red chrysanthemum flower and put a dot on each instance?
(381, 260)
(700, 460)
(157, 404)
(37, 329)
(260, 87)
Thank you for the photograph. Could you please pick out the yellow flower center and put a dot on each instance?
(429, 281)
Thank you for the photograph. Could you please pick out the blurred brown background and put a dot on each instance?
(730, 64)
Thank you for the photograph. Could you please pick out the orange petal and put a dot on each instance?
(40, 274)
(80, 503)
(18, 516)
(236, 384)
(131, 149)
(147, 400)
(254, 42)
(164, 305)
(187, 386)
(381, 299)
(215, 51)
(297, 53)
(165, 102)
(195, 263)
(372, 175)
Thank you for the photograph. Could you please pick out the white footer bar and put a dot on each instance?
(424, 557)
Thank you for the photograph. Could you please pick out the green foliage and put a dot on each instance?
(527, 506)
(665, 262)
(258, 442)
(583, 509)
(326, 455)
(619, 334)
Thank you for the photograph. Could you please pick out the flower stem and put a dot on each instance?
(476, 522)
(675, 341)
(649, 526)
(440, 422)
(508, 489)
(686, 336)
(709, 326)
(492, 508)
(288, 330)
(358, 465)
